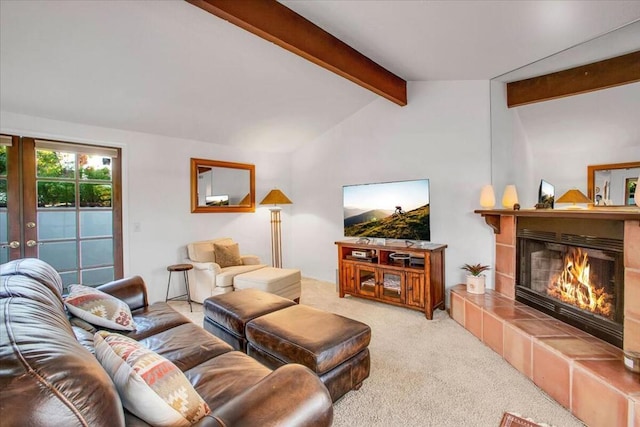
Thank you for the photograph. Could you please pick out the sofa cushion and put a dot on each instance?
(150, 320)
(227, 255)
(186, 345)
(99, 308)
(153, 319)
(226, 376)
(35, 269)
(149, 385)
(19, 286)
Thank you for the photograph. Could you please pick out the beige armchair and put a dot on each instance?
(208, 277)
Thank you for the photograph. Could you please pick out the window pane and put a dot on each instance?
(3, 160)
(56, 194)
(54, 225)
(55, 164)
(97, 276)
(69, 278)
(94, 167)
(96, 223)
(95, 195)
(96, 252)
(61, 255)
(3, 193)
(4, 255)
(4, 230)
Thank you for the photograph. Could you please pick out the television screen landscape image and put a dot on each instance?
(222, 200)
(390, 210)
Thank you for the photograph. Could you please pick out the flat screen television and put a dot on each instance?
(546, 194)
(390, 210)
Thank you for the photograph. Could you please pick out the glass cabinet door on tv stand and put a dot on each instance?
(366, 280)
(417, 282)
(392, 285)
(376, 282)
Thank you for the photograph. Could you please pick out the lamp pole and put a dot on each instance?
(276, 237)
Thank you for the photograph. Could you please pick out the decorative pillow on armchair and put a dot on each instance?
(227, 255)
(99, 308)
(149, 385)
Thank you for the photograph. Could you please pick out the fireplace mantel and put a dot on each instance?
(492, 216)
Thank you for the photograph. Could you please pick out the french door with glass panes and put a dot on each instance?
(61, 202)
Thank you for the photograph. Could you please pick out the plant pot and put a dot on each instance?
(475, 284)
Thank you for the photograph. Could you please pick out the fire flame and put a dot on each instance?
(573, 285)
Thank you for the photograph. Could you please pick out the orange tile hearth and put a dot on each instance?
(584, 374)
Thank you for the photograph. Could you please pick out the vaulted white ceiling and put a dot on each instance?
(167, 67)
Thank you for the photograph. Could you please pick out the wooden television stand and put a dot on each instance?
(394, 273)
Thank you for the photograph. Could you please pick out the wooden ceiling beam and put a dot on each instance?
(278, 24)
(586, 78)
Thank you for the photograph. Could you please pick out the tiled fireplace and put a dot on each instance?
(573, 270)
(525, 319)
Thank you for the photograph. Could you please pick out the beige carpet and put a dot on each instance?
(427, 373)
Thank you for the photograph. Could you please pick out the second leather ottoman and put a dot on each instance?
(333, 346)
(226, 315)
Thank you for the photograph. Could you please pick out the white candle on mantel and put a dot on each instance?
(510, 196)
(487, 197)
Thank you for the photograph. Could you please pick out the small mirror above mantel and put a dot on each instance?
(218, 186)
(613, 184)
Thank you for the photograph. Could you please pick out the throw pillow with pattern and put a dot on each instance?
(99, 308)
(227, 255)
(150, 386)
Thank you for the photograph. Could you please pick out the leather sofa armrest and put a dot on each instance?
(292, 395)
(131, 290)
(250, 259)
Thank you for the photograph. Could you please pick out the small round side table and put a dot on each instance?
(185, 269)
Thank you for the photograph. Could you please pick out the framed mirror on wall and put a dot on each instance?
(613, 184)
(218, 186)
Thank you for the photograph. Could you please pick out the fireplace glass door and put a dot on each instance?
(580, 285)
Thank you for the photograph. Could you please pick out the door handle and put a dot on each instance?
(31, 243)
(13, 245)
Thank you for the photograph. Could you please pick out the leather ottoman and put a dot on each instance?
(226, 315)
(333, 346)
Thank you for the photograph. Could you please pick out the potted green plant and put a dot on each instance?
(475, 278)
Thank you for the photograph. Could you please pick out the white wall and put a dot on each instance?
(156, 190)
(442, 134)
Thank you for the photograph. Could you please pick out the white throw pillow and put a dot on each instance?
(99, 308)
(150, 386)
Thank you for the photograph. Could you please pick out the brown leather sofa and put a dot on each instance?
(49, 376)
